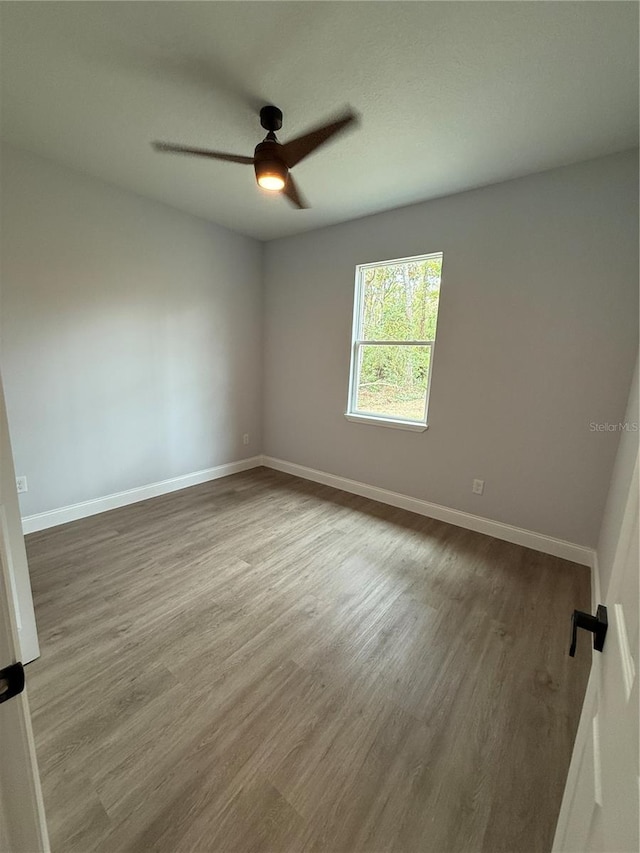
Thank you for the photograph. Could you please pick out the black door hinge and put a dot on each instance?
(11, 681)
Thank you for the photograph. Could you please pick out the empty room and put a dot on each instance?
(319, 483)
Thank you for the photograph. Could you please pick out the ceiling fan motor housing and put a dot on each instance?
(268, 161)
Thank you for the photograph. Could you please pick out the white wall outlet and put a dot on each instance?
(21, 484)
(478, 487)
(245, 438)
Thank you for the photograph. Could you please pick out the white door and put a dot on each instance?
(22, 822)
(600, 809)
(20, 585)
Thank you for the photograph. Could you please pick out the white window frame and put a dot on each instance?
(352, 413)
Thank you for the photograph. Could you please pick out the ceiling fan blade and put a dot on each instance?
(291, 192)
(202, 152)
(297, 149)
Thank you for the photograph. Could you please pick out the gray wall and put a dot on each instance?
(537, 337)
(131, 336)
(132, 342)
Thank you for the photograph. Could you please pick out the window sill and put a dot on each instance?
(386, 422)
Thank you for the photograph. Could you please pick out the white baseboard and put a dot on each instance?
(517, 535)
(43, 520)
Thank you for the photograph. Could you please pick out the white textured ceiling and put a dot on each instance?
(452, 95)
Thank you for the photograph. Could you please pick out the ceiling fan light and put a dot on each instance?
(271, 170)
(269, 181)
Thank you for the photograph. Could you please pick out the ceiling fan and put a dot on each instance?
(271, 159)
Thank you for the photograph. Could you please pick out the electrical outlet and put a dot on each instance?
(478, 487)
(245, 438)
(21, 484)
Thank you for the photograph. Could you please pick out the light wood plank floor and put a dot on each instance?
(265, 664)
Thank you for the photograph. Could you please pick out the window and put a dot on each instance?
(394, 330)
